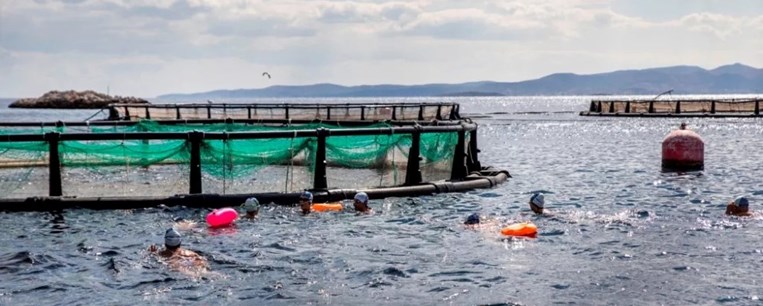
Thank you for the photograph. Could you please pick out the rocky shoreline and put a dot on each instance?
(74, 99)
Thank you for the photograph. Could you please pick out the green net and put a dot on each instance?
(231, 158)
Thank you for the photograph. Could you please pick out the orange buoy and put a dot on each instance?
(327, 207)
(683, 150)
(525, 229)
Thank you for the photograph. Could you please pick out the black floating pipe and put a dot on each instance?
(319, 179)
(413, 171)
(54, 165)
(458, 171)
(194, 138)
(484, 180)
(472, 158)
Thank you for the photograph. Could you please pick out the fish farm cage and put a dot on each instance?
(746, 107)
(217, 155)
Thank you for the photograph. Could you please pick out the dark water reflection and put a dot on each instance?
(623, 232)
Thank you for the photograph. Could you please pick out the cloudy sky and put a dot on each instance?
(151, 47)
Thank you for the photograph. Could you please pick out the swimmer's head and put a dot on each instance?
(472, 219)
(172, 239)
(306, 196)
(360, 201)
(742, 202)
(537, 202)
(251, 205)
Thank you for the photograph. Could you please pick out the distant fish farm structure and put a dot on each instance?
(746, 107)
(216, 155)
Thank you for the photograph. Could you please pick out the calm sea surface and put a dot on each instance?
(622, 232)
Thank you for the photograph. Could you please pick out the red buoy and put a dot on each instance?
(683, 150)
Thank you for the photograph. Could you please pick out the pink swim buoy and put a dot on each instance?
(683, 150)
(222, 217)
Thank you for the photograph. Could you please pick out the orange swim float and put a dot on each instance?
(327, 207)
(525, 229)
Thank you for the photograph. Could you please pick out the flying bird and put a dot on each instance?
(266, 74)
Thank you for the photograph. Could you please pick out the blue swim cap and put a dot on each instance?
(742, 202)
(537, 200)
(251, 205)
(306, 196)
(172, 238)
(361, 197)
(473, 219)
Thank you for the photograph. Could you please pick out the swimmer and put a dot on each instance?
(252, 207)
(361, 202)
(536, 203)
(739, 207)
(305, 202)
(183, 260)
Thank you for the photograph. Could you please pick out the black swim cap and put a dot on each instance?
(472, 219)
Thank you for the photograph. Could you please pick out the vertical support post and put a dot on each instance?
(319, 179)
(598, 107)
(413, 170)
(127, 113)
(678, 107)
(249, 112)
(472, 159)
(757, 107)
(651, 106)
(328, 112)
(592, 107)
(394, 112)
(421, 112)
(54, 165)
(363, 112)
(611, 106)
(177, 112)
(148, 113)
(458, 171)
(628, 107)
(712, 107)
(439, 112)
(194, 138)
(209, 112)
(287, 112)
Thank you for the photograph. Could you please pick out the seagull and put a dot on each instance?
(209, 101)
(266, 74)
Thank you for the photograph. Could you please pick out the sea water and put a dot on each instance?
(622, 231)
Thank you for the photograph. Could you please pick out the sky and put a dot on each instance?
(146, 48)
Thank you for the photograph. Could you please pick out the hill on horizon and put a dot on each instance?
(728, 79)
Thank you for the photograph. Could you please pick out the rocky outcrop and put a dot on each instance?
(74, 99)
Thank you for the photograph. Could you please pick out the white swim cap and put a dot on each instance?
(361, 197)
(537, 200)
(251, 205)
(172, 238)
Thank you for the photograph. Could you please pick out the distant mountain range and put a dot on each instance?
(729, 79)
